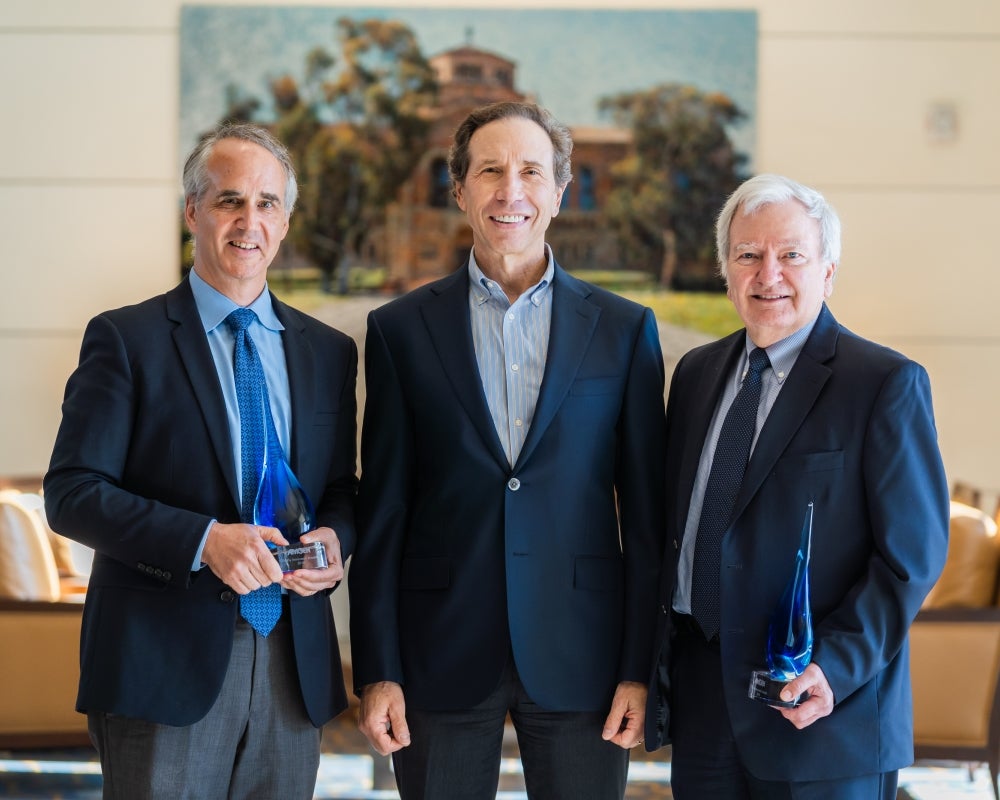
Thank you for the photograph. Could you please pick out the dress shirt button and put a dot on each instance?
(513, 484)
(514, 367)
(518, 423)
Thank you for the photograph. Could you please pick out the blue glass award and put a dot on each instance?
(790, 633)
(282, 503)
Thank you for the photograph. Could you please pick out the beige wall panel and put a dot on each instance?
(857, 112)
(74, 251)
(92, 106)
(909, 16)
(916, 264)
(965, 386)
(32, 401)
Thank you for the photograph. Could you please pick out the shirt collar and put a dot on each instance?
(213, 306)
(483, 289)
(782, 354)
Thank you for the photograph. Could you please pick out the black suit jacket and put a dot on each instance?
(462, 557)
(853, 431)
(141, 464)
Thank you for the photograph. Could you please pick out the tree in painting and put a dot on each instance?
(680, 169)
(356, 127)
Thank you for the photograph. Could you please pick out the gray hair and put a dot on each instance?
(196, 167)
(762, 190)
(562, 141)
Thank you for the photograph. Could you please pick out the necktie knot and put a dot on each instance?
(240, 319)
(758, 361)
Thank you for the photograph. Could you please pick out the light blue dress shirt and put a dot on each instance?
(782, 356)
(511, 342)
(213, 308)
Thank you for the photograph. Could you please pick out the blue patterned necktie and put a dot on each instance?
(262, 607)
(728, 465)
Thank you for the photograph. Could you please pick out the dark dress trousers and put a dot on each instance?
(463, 558)
(852, 430)
(143, 461)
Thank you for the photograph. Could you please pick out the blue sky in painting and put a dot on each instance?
(567, 58)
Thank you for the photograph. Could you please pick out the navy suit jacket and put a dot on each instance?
(143, 461)
(853, 431)
(462, 557)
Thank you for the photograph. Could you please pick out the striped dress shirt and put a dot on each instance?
(511, 342)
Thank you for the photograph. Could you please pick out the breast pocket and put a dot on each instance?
(826, 461)
(592, 386)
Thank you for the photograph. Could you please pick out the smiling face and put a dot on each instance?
(776, 276)
(240, 220)
(509, 194)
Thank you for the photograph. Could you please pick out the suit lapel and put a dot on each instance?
(446, 315)
(192, 347)
(300, 364)
(792, 406)
(574, 319)
(717, 367)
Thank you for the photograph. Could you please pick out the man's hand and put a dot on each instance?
(819, 704)
(239, 557)
(624, 724)
(382, 718)
(307, 582)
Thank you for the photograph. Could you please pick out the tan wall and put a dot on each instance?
(89, 185)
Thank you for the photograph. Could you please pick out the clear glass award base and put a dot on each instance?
(301, 556)
(767, 689)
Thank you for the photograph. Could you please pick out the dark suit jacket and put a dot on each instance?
(461, 556)
(143, 462)
(852, 430)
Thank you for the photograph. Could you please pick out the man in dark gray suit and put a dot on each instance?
(184, 697)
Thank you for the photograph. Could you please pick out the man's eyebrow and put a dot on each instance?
(273, 198)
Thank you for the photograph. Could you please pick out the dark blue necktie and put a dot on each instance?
(262, 607)
(728, 465)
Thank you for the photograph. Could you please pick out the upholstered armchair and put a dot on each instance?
(41, 594)
(955, 650)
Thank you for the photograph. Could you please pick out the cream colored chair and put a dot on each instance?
(955, 651)
(40, 612)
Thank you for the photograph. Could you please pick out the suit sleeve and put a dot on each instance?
(85, 495)
(383, 509)
(640, 488)
(907, 508)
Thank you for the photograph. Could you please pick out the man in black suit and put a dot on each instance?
(510, 513)
(184, 698)
(839, 422)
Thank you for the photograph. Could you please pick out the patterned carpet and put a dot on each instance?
(350, 771)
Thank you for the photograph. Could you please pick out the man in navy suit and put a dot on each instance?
(510, 509)
(842, 423)
(184, 698)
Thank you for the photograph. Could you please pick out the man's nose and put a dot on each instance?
(770, 267)
(511, 187)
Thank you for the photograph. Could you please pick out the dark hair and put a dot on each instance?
(562, 142)
(196, 166)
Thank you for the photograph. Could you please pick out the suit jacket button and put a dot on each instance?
(226, 597)
(513, 484)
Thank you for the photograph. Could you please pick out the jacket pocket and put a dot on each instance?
(589, 386)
